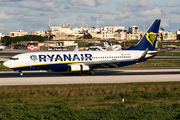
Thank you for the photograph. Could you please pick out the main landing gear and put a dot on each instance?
(92, 72)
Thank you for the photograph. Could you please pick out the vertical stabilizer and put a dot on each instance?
(149, 39)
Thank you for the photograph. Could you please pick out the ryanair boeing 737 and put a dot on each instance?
(86, 61)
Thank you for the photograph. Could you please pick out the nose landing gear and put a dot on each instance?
(21, 73)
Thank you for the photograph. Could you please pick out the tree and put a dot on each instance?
(9, 40)
(87, 36)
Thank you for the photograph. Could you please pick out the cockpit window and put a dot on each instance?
(14, 58)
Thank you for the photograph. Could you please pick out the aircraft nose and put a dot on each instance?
(7, 64)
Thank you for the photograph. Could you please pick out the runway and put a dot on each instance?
(102, 76)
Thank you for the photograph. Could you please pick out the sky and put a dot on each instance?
(34, 15)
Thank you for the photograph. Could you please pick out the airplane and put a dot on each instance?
(82, 62)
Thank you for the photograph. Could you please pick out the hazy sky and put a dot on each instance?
(33, 15)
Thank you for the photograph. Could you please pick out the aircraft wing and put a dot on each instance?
(107, 63)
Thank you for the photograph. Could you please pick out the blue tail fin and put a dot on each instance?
(149, 39)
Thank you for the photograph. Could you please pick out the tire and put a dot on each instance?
(92, 72)
(21, 74)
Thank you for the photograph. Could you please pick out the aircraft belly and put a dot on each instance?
(43, 67)
(125, 63)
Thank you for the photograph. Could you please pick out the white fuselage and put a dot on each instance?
(70, 57)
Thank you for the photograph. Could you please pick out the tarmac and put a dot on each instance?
(102, 76)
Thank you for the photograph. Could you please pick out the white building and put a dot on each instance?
(56, 29)
(42, 33)
(134, 30)
(77, 30)
(120, 35)
(108, 36)
(166, 35)
(94, 30)
(108, 32)
(112, 29)
(19, 33)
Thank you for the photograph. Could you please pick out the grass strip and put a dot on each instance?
(116, 112)
(91, 95)
(3, 68)
(169, 54)
(156, 64)
(159, 100)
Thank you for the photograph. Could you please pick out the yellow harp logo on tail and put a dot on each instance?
(151, 37)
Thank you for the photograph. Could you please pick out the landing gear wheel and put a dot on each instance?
(21, 74)
(80, 73)
(92, 72)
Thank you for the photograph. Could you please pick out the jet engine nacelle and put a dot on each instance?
(78, 68)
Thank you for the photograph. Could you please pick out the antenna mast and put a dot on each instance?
(144, 29)
(49, 22)
(97, 23)
(82, 20)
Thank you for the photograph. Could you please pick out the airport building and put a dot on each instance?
(47, 45)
